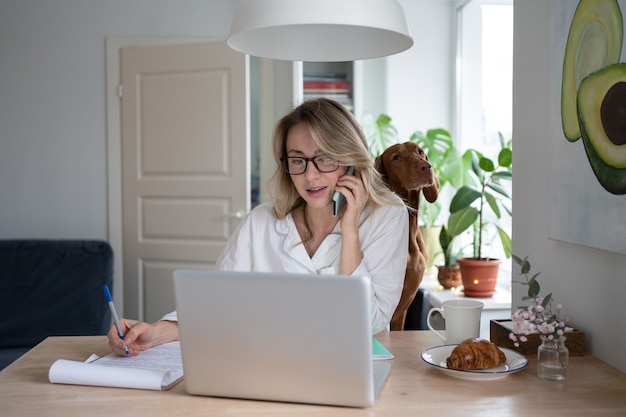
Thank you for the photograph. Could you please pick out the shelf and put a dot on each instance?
(339, 81)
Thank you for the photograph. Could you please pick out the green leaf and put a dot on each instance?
(476, 165)
(383, 120)
(505, 157)
(486, 164)
(506, 241)
(499, 190)
(493, 203)
(508, 210)
(454, 169)
(380, 133)
(501, 138)
(439, 133)
(533, 288)
(546, 300)
(502, 175)
(436, 142)
(463, 198)
(444, 238)
(461, 220)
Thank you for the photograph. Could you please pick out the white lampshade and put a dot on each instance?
(319, 30)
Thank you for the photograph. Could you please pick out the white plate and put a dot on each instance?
(436, 356)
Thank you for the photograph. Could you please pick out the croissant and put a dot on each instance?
(475, 354)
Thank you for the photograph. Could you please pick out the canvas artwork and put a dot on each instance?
(588, 128)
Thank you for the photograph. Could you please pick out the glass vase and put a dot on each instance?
(552, 359)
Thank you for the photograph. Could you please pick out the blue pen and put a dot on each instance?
(116, 320)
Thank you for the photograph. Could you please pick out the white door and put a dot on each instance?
(185, 164)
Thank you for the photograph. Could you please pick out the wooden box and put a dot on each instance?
(499, 334)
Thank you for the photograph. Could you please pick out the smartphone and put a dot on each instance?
(338, 199)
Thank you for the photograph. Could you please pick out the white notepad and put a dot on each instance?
(158, 368)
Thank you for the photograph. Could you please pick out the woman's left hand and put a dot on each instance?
(353, 190)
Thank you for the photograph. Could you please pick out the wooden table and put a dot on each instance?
(414, 388)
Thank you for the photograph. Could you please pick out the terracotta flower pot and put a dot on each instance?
(479, 276)
(449, 276)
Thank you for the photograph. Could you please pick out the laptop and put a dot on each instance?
(299, 338)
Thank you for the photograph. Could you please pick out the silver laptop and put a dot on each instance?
(278, 337)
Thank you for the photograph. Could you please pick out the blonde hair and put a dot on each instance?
(336, 134)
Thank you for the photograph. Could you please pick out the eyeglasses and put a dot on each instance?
(296, 165)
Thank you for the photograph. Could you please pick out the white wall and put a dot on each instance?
(53, 179)
(589, 283)
(420, 80)
(52, 97)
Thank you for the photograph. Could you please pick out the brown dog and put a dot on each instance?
(406, 170)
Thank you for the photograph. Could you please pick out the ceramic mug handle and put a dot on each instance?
(432, 310)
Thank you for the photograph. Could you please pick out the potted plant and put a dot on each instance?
(479, 204)
(449, 274)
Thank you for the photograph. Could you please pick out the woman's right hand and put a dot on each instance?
(139, 335)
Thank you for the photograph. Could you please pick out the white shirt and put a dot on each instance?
(264, 243)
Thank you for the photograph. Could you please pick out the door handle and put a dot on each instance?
(235, 215)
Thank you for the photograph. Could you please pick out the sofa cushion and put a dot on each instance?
(53, 288)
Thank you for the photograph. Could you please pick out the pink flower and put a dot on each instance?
(535, 318)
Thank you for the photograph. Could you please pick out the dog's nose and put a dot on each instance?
(424, 166)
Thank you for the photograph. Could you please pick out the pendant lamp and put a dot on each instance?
(319, 30)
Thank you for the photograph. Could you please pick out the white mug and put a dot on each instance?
(462, 320)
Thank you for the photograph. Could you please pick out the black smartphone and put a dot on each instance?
(338, 199)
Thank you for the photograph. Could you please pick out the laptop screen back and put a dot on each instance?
(278, 337)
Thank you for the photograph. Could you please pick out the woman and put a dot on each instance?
(297, 232)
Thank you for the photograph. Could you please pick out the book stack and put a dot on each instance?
(332, 86)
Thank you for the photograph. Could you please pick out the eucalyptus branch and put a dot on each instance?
(538, 316)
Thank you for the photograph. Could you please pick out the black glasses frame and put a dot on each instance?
(285, 159)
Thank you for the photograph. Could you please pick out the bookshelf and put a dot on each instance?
(340, 81)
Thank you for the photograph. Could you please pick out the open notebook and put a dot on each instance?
(278, 337)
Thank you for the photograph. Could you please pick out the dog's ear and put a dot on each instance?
(380, 167)
(432, 192)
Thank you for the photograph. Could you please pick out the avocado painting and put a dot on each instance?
(593, 90)
(588, 83)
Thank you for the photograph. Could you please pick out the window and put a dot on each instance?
(484, 73)
(484, 78)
